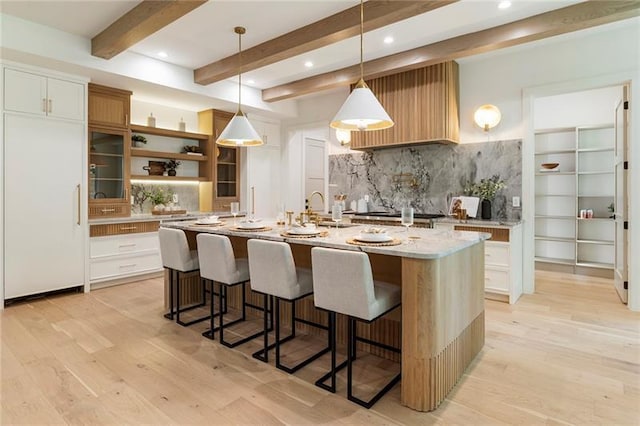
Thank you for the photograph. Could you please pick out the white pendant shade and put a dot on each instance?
(361, 111)
(239, 132)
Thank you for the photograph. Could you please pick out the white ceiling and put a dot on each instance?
(206, 34)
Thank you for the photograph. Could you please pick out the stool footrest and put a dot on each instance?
(320, 382)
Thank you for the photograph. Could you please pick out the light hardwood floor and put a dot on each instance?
(569, 354)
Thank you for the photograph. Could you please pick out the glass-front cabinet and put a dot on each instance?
(108, 172)
(226, 172)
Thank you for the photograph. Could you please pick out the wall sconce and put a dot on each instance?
(487, 117)
(344, 136)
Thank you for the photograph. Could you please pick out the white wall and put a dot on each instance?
(584, 108)
(167, 117)
(498, 78)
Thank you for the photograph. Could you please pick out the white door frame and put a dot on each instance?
(528, 170)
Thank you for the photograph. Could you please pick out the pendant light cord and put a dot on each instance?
(361, 37)
(239, 70)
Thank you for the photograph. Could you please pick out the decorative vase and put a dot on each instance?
(486, 209)
(172, 172)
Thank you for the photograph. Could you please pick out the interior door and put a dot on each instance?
(44, 232)
(620, 201)
(314, 172)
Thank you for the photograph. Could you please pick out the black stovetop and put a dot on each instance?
(397, 214)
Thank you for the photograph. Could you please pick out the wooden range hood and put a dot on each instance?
(423, 103)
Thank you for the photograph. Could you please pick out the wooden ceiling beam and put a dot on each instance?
(548, 24)
(335, 28)
(140, 22)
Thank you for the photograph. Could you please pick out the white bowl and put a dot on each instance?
(303, 230)
(374, 237)
(245, 224)
(208, 221)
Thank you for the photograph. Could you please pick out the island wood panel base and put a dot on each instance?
(442, 323)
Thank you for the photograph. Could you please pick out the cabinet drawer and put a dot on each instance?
(123, 244)
(496, 254)
(496, 280)
(109, 210)
(124, 228)
(120, 267)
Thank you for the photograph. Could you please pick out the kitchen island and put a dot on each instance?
(442, 278)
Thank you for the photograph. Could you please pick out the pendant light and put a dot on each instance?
(239, 131)
(361, 110)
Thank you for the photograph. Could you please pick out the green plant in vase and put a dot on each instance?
(138, 140)
(170, 166)
(159, 197)
(486, 189)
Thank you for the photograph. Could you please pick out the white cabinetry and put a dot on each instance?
(261, 171)
(124, 250)
(502, 259)
(44, 169)
(38, 94)
(584, 180)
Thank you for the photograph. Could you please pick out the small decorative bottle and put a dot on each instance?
(151, 120)
(182, 126)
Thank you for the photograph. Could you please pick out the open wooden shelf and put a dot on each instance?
(139, 152)
(167, 178)
(136, 128)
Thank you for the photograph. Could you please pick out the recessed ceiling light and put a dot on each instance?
(251, 82)
(504, 4)
(388, 40)
(163, 54)
(308, 64)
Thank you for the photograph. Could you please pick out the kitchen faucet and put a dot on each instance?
(311, 216)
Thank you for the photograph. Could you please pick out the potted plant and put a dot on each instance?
(138, 140)
(170, 166)
(158, 197)
(486, 189)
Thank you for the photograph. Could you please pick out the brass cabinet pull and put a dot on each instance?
(127, 245)
(130, 265)
(108, 210)
(128, 228)
(126, 119)
(44, 105)
(79, 212)
(50, 106)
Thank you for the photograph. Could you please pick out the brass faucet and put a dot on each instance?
(311, 216)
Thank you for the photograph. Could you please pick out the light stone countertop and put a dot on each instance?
(145, 217)
(431, 244)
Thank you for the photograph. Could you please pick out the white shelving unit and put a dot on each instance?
(584, 180)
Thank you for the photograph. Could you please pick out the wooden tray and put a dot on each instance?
(168, 212)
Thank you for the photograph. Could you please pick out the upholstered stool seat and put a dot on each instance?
(274, 274)
(218, 264)
(343, 283)
(178, 259)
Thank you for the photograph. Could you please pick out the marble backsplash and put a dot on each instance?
(187, 195)
(428, 176)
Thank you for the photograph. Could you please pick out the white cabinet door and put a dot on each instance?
(271, 134)
(65, 99)
(25, 92)
(36, 94)
(263, 175)
(44, 233)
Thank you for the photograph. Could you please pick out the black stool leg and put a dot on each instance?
(334, 368)
(245, 339)
(169, 315)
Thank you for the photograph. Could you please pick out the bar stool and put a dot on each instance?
(274, 274)
(178, 259)
(343, 283)
(219, 265)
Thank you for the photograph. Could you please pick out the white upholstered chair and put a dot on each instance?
(343, 283)
(219, 265)
(274, 274)
(178, 259)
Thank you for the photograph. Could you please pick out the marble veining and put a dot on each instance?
(428, 176)
(426, 244)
